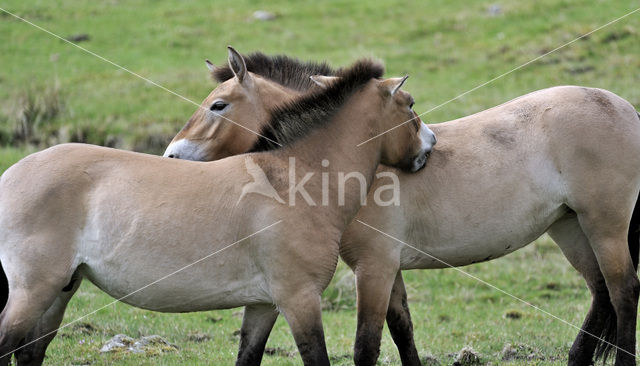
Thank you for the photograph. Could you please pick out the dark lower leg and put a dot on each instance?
(33, 353)
(256, 325)
(6, 350)
(585, 344)
(304, 315)
(400, 326)
(626, 306)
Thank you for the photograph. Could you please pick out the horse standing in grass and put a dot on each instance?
(563, 160)
(177, 236)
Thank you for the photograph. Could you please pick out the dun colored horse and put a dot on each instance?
(176, 236)
(563, 160)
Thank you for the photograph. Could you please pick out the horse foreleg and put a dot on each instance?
(399, 322)
(257, 323)
(303, 312)
(373, 284)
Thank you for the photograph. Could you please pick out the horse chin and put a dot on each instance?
(415, 163)
(419, 162)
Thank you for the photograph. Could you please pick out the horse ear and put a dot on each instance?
(210, 66)
(394, 84)
(323, 81)
(237, 64)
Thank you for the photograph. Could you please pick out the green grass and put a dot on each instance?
(447, 47)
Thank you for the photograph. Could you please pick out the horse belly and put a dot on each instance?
(165, 268)
(465, 239)
(194, 289)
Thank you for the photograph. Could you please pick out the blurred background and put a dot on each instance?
(52, 92)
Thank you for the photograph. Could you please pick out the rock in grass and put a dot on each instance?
(264, 15)
(119, 342)
(430, 360)
(467, 357)
(494, 10)
(520, 352)
(199, 337)
(277, 351)
(153, 344)
(77, 38)
(149, 345)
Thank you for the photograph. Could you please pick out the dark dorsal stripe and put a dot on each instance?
(284, 70)
(297, 118)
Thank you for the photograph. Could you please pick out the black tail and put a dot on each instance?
(634, 230)
(634, 233)
(608, 337)
(4, 288)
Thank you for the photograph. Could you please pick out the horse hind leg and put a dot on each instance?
(23, 310)
(32, 349)
(32, 291)
(607, 231)
(598, 330)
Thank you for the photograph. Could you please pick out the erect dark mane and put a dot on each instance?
(297, 118)
(284, 70)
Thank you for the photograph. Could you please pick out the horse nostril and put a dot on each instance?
(171, 156)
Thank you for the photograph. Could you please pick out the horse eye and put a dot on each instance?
(411, 105)
(218, 106)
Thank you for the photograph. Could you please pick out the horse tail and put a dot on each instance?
(4, 288)
(608, 337)
(633, 236)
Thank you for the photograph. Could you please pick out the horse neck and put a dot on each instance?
(337, 143)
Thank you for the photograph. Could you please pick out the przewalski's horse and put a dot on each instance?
(176, 236)
(562, 160)
(238, 111)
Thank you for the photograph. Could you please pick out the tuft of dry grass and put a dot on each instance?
(34, 108)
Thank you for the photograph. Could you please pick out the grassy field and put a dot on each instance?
(51, 92)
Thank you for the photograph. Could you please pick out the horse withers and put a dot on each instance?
(561, 160)
(175, 236)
